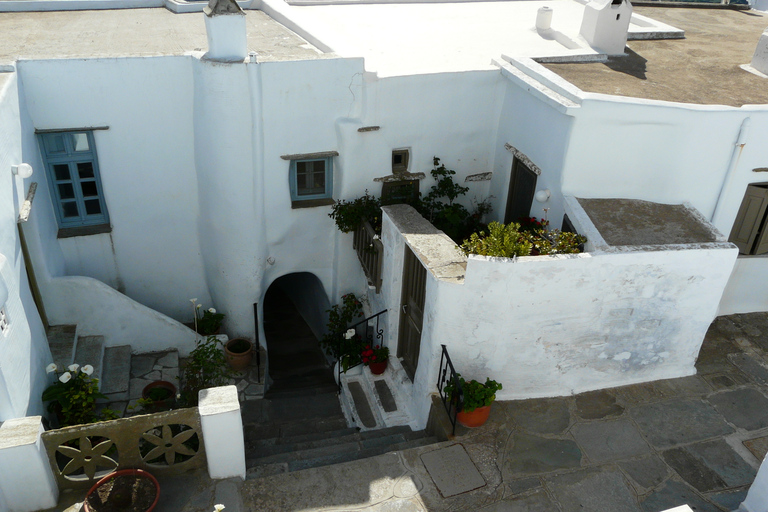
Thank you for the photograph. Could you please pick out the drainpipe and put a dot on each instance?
(741, 141)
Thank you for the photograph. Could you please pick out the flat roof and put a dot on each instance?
(135, 32)
(703, 68)
(635, 222)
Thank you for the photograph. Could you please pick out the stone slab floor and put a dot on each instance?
(696, 440)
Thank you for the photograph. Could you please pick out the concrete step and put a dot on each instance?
(90, 350)
(61, 340)
(280, 455)
(116, 374)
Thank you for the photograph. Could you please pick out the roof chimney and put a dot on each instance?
(760, 58)
(605, 25)
(225, 25)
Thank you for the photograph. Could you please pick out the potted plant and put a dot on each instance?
(72, 398)
(474, 407)
(128, 490)
(341, 343)
(375, 358)
(207, 321)
(206, 367)
(157, 396)
(239, 352)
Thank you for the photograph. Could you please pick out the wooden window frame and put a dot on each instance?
(83, 223)
(314, 199)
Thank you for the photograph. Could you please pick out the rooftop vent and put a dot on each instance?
(225, 25)
(605, 25)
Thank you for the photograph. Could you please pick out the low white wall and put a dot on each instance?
(98, 309)
(26, 479)
(746, 290)
(558, 325)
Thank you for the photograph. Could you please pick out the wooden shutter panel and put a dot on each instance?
(748, 220)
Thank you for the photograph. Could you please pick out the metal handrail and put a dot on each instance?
(447, 374)
(370, 252)
(365, 339)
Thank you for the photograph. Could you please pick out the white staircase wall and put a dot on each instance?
(98, 309)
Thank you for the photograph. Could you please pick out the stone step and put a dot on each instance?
(90, 350)
(61, 340)
(116, 374)
(363, 412)
(357, 455)
(278, 458)
(312, 427)
(272, 446)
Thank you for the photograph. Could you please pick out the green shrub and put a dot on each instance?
(206, 368)
(510, 240)
(342, 345)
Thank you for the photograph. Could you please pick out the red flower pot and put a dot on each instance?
(239, 352)
(476, 418)
(378, 368)
(139, 473)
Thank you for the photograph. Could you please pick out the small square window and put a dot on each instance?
(399, 161)
(311, 179)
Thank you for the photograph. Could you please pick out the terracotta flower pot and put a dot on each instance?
(476, 418)
(163, 387)
(143, 503)
(378, 368)
(239, 352)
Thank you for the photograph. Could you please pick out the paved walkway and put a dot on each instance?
(646, 447)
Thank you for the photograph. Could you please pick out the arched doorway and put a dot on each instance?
(295, 315)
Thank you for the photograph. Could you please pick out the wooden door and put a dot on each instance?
(411, 311)
(522, 187)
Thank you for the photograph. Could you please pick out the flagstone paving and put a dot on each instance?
(646, 447)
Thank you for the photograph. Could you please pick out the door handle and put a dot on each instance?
(405, 309)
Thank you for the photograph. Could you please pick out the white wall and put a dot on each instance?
(24, 349)
(147, 166)
(551, 326)
(559, 325)
(745, 292)
(542, 134)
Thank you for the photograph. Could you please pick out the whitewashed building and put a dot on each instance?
(177, 154)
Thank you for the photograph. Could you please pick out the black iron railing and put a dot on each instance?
(449, 387)
(366, 332)
(370, 252)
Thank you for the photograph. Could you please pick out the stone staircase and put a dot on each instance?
(294, 433)
(111, 365)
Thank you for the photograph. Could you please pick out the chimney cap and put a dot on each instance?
(219, 7)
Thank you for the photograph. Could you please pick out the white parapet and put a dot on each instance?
(26, 480)
(757, 498)
(222, 427)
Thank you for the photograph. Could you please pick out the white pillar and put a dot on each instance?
(757, 498)
(222, 427)
(760, 58)
(26, 480)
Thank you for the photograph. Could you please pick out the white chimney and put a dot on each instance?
(225, 25)
(605, 25)
(544, 18)
(760, 58)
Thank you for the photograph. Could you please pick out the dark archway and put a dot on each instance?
(294, 319)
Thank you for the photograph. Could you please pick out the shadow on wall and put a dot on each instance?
(308, 295)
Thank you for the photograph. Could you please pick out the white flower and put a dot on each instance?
(193, 300)
(73, 367)
(218, 508)
(349, 334)
(65, 377)
(87, 369)
(51, 368)
(199, 306)
(211, 310)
